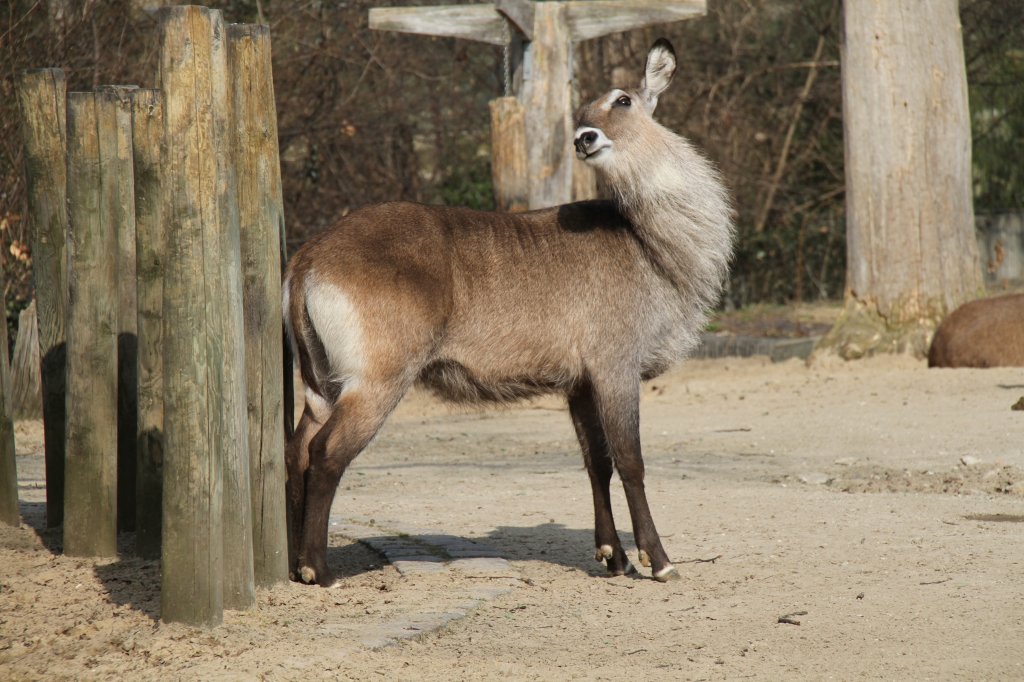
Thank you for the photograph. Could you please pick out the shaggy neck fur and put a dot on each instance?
(681, 212)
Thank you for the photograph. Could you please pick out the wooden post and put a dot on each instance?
(147, 134)
(261, 215)
(8, 469)
(115, 104)
(42, 101)
(549, 129)
(223, 270)
(90, 495)
(26, 397)
(508, 155)
(193, 549)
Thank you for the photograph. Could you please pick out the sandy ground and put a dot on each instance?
(837, 492)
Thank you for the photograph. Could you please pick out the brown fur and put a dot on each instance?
(984, 333)
(585, 300)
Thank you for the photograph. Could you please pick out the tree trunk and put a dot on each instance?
(911, 249)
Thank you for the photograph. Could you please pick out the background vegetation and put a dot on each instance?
(366, 116)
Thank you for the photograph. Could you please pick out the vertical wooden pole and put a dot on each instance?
(223, 272)
(261, 213)
(547, 94)
(8, 469)
(508, 155)
(90, 495)
(25, 367)
(42, 99)
(115, 103)
(147, 134)
(193, 564)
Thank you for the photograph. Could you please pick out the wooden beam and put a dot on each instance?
(547, 99)
(193, 533)
(596, 18)
(481, 23)
(42, 95)
(147, 133)
(519, 13)
(261, 217)
(114, 102)
(90, 491)
(508, 155)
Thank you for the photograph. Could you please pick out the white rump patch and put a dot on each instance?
(336, 324)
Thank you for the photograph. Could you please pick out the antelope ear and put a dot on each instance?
(661, 66)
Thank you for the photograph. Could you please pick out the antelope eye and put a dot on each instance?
(624, 101)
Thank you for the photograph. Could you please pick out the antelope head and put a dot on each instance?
(619, 123)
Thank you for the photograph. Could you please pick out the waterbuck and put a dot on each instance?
(988, 332)
(587, 300)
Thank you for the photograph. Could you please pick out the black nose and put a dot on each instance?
(585, 140)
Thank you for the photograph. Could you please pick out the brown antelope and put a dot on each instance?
(988, 332)
(587, 300)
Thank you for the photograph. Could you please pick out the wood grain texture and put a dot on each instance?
(547, 99)
(115, 102)
(192, 538)
(41, 96)
(25, 367)
(261, 217)
(912, 252)
(90, 495)
(595, 18)
(508, 155)
(519, 14)
(223, 274)
(471, 22)
(147, 137)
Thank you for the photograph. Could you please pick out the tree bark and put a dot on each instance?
(912, 255)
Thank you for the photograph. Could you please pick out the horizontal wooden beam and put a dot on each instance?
(481, 23)
(519, 13)
(596, 18)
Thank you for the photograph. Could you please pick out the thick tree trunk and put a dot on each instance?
(911, 250)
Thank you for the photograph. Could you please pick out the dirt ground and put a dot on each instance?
(880, 502)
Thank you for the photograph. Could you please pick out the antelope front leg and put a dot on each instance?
(599, 468)
(620, 418)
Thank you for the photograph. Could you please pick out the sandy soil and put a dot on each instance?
(838, 490)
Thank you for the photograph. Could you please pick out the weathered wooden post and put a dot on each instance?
(115, 103)
(508, 155)
(223, 271)
(26, 393)
(8, 469)
(42, 96)
(147, 136)
(261, 215)
(206, 455)
(541, 37)
(90, 495)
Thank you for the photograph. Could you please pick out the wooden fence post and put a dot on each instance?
(207, 541)
(508, 155)
(8, 469)
(25, 370)
(42, 100)
(115, 103)
(90, 496)
(147, 135)
(261, 214)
